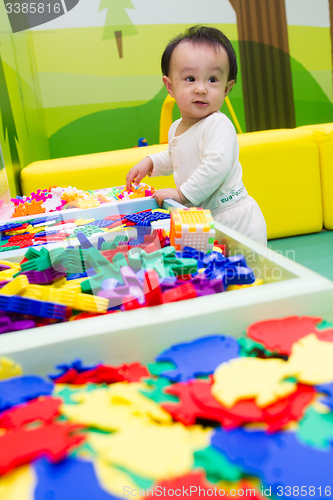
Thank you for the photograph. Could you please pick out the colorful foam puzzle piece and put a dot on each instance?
(18, 390)
(316, 429)
(19, 447)
(194, 484)
(291, 463)
(216, 465)
(311, 360)
(275, 416)
(9, 368)
(261, 379)
(152, 450)
(71, 479)
(199, 357)
(327, 389)
(44, 409)
(18, 484)
(156, 390)
(246, 448)
(280, 334)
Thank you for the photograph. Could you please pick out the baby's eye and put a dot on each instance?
(212, 79)
(190, 79)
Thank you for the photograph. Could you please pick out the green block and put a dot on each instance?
(37, 264)
(161, 366)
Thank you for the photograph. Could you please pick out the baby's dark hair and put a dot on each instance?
(204, 35)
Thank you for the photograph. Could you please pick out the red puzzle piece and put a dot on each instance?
(195, 485)
(280, 334)
(196, 401)
(44, 409)
(103, 374)
(22, 446)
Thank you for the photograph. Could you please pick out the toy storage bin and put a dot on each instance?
(289, 289)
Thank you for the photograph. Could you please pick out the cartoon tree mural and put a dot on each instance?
(8, 126)
(117, 23)
(265, 64)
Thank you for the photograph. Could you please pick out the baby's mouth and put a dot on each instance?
(200, 102)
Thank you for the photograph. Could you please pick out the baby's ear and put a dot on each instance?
(167, 83)
(229, 86)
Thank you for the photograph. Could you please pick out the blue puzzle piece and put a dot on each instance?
(18, 390)
(199, 357)
(327, 389)
(247, 449)
(84, 241)
(76, 364)
(71, 479)
(293, 464)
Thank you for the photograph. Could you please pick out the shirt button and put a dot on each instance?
(174, 142)
(175, 167)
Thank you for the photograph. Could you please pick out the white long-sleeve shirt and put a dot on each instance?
(204, 162)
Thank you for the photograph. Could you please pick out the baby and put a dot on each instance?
(199, 70)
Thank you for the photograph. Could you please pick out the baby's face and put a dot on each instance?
(198, 79)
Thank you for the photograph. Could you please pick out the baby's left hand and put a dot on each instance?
(162, 194)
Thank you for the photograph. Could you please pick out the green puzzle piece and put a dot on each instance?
(248, 347)
(104, 270)
(316, 429)
(158, 368)
(217, 465)
(156, 393)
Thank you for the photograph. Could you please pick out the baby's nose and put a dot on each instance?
(201, 89)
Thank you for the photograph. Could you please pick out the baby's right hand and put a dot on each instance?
(138, 172)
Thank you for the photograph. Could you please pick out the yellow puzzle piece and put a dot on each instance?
(244, 378)
(9, 368)
(18, 484)
(114, 407)
(311, 360)
(150, 450)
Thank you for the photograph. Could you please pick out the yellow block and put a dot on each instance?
(324, 135)
(281, 172)
(94, 171)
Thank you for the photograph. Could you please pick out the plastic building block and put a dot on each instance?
(32, 307)
(199, 357)
(280, 334)
(40, 263)
(183, 292)
(9, 368)
(18, 390)
(103, 268)
(311, 360)
(192, 227)
(148, 450)
(262, 379)
(42, 409)
(132, 286)
(8, 325)
(72, 479)
(152, 289)
(16, 287)
(22, 446)
(43, 277)
(68, 297)
(257, 282)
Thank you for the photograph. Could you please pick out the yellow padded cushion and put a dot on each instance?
(324, 135)
(281, 172)
(94, 171)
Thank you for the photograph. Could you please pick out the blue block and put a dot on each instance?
(17, 390)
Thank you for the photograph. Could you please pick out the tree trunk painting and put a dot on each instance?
(265, 64)
(117, 23)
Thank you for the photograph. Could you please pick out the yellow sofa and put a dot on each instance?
(324, 135)
(281, 172)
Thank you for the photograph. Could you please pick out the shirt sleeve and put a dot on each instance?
(162, 164)
(219, 149)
